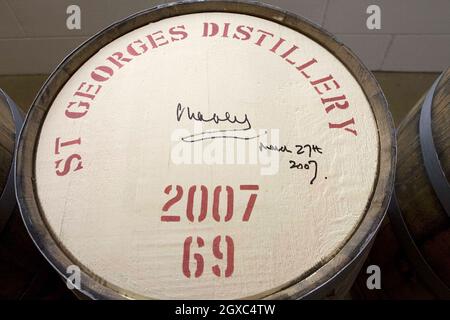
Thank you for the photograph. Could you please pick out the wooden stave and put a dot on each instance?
(424, 216)
(399, 274)
(7, 140)
(353, 252)
(24, 273)
(10, 125)
(421, 225)
(399, 281)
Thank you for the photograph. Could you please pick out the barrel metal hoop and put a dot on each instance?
(8, 198)
(413, 253)
(431, 160)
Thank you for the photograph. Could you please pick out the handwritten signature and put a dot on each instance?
(236, 133)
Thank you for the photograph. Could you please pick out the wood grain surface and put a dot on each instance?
(424, 216)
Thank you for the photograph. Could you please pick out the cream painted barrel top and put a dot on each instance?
(127, 137)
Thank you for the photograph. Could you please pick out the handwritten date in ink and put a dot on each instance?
(310, 165)
(308, 150)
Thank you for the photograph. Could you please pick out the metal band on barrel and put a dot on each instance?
(8, 198)
(442, 189)
(433, 167)
(413, 253)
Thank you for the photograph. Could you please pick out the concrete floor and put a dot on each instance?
(402, 89)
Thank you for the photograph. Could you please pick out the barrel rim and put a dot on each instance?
(400, 216)
(14, 117)
(5, 107)
(319, 279)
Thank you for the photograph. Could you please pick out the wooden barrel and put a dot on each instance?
(207, 150)
(10, 123)
(24, 273)
(412, 248)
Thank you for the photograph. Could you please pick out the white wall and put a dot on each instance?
(414, 34)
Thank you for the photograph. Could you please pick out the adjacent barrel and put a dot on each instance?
(10, 123)
(24, 273)
(413, 247)
(207, 150)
